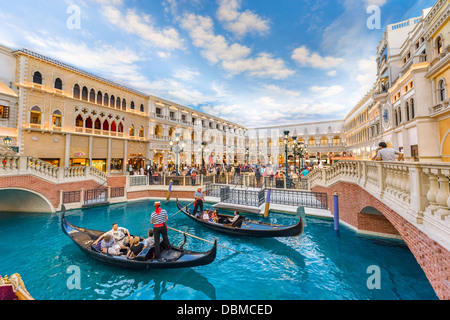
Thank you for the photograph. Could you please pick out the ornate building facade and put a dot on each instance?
(69, 117)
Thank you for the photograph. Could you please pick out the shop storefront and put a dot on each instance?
(53, 162)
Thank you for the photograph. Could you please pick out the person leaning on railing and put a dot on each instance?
(387, 154)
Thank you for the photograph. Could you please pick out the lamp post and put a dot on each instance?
(247, 156)
(301, 154)
(286, 140)
(177, 150)
(294, 139)
(202, 149)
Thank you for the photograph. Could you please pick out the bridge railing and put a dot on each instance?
(25, 165)
(418, 191)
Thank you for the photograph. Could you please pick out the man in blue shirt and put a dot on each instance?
(158, 219)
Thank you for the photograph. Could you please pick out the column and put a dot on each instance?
(67, 150)
(108, 157)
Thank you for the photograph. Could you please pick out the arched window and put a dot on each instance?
(324, 141)
(132, 107)
(120, 128)
(35, 115)
(76, 91)
(132, 133)
(105, 125)
(92, 96)
(159, 131)
(337, 141)
(413, 111)
(112, 102)
(113, 126)
(37, 77)
(84, 94)
(98, 124)
(439, 45)
(312, 142)
(396, 118)
(57, 119)
(141, 132)
(407, 111)
(58, 84)
(79, 121)
(124, 104)
(106, 100)
(441, 88)
(99, 98)
(142, 108)
(118, 103)
(89, 123)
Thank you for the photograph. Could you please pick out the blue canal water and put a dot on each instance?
(320, 264)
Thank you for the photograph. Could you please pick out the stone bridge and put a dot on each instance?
(28, 184)
(409, 200)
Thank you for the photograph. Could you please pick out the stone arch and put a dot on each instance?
(24, 200)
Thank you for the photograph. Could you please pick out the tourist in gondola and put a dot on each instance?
(108, 245)
(150, 241)
(205, 215)
(158, 219)
(214, 217)
(121, 236)
(199, 198)
(136, 248)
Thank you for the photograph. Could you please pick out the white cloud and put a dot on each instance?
(327, 91)
(271, 88)
(234, 58)
(304, 57)
(240, 23)
(376, 2)
(185, 74)
(142, 26)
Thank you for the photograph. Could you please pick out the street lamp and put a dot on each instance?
(7, 141)
(176, 149)
(286, 140)
(247, 155)
(294, 139)
(202, 149)
(301, 153)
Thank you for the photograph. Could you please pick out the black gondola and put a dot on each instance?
(247, 227)
(176, 257)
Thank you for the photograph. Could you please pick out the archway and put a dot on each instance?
(22, 200)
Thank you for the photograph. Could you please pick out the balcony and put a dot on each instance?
(440, 108)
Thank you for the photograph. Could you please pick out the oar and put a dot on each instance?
(180, 210)
(170, 190)
(202, 239)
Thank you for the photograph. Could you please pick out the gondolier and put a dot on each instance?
(199, 197)
(158, 219)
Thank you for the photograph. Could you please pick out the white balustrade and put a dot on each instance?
(17, 165)
(419, 192)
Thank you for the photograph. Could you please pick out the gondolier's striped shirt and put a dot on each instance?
(159, 218)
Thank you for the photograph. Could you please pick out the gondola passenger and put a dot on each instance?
(214, 217)
(108, 245)
(205, 215)
(150, 241)
(120, 235)
(135, 248)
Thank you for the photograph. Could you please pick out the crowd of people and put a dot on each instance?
(275, 171)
